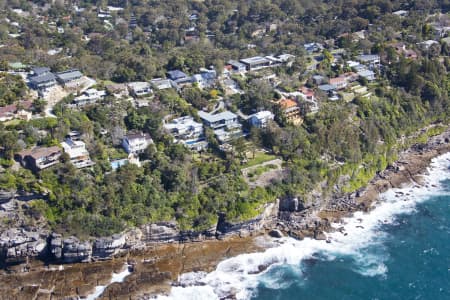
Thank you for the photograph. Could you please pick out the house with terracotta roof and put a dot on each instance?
(291, 111)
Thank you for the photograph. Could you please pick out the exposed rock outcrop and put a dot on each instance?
(16, 244)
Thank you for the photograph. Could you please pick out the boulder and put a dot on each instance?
(275, 233)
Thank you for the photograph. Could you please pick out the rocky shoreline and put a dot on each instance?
(159, 253)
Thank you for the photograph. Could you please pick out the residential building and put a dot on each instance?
(68, 76)
(163, 84)
(176, 75)
(90, 96)
(41, 78)
(327, 88)
(260, 119)
(15, 111)
(339, 82)
(313, 47)
(255, 63)
(426, 45)
(118, 90)
(205, 79)
(291, 111)
(307, 93)
(225, 125)
(367, 74)
(39, 158)
(136, 142)
(140, 88)
(220, 120)
(187, 131)
(77, 152)
(371, 60)
(237, 66)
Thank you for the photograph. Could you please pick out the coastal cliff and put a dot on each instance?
(159, 253)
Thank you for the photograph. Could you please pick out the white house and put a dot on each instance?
(188, 132)
(77, 152)
(260, 119)
(90, 96)
(139, 89)
(136, 142)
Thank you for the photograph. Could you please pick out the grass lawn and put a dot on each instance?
(260, 157)
(12, 122)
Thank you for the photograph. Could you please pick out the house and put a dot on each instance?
(367, 74)
(225, 125)
(371, 60)
(313, 47)
(327, 88)
(90, 96)
(118, 90)
(426, 45)
(39, 158)
(41, 78)
(318, 79)
(176, 75)
(187, 131)
(291, 111)
(14, 111)
(339, 82)
(330, 90)
(260, 119)
(38, 71)
(163, 84)
(136, 142)
(205, 79)
(140, 88)
(307, 93)
(68, 76)
(237, 66)
(220, 120)
(256, 63)
(77, 152)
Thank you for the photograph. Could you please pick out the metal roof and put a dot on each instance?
(226, 115)
(69, 75)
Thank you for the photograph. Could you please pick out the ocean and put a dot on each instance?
(399, 250)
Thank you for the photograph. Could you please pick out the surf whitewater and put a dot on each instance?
(358, 244)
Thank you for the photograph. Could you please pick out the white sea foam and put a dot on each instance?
(240, 275)
(116, 277)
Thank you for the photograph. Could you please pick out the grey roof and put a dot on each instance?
(226, 115)
(40, 70)
(255, 60)
(366, 73)
(327, 87)
(368, 57)
(176, 74)
(42, 78)
(236, 64)
(69, 75)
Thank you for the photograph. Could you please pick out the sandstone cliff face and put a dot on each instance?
(16, 244)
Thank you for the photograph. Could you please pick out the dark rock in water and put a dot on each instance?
(275, 233)
(319, 235)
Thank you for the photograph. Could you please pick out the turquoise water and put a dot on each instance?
(415, 250)
(399, 250)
